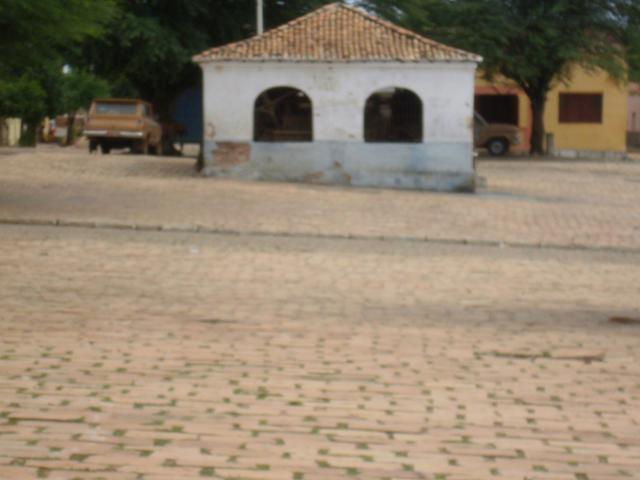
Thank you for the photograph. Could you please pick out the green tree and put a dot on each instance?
(532, 42)
(35, 38)
(148, 47)
(79, 88)
(36, 30)
(631, 40)
(23, 97)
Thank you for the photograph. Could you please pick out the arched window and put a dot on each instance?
(282, 114)
(393, 115)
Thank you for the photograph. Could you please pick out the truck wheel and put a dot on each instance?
(105, 148)
(93, 145)
(497, 147)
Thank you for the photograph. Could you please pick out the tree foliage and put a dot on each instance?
(79, 88)
(38, 30)
(532, 42)
(36, 37)
(148, 46)
(631, 39)
(22, 97)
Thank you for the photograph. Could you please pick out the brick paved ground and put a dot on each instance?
(158, 355)
(558, 203)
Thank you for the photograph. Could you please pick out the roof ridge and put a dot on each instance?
(424, 48)
(275, 30)
(299, 19)
(397, 28)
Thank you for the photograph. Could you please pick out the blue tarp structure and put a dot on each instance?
(186, 110)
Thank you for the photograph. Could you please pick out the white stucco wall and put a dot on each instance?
(338, 93)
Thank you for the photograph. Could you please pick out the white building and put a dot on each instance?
(340, 97)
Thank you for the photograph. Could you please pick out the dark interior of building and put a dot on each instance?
(393, 115)
(283, 114)
(498, 108)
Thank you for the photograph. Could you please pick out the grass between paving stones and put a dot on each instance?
(207, 472)
(78, 457)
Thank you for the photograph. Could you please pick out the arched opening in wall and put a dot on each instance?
(393, 115)
(283, 114)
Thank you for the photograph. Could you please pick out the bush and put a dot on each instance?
(22, 97)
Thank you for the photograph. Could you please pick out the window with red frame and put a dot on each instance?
(580, 108)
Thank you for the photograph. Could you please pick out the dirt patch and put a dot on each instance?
(625, 320)
(216, 321)
(586, 358)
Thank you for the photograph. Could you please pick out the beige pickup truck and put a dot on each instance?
(497, 138)
(123, 123)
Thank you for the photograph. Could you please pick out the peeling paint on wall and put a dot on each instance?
(416, 166)
(315, 177)
(230, 154)
(209, 131)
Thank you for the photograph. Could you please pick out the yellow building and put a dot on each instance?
(587, 116)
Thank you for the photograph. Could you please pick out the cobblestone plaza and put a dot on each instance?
(158, 325)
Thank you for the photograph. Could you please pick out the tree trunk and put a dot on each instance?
(537, 132)
(71, 119)
(29, 136)
(3, 132)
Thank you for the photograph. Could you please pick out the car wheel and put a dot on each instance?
(497, 147)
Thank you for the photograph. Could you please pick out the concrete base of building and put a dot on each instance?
(420, 166)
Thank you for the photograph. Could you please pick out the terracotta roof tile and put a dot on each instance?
(337, 33)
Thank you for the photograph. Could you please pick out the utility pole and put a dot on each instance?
(260, 17)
